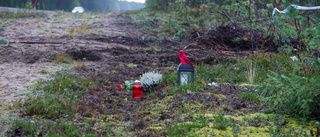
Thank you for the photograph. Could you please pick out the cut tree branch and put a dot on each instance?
(225, 14)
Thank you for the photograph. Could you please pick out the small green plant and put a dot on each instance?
(2, 29)
(66, 85)
(168, 79)
(62, 59)
(2, 41)
(28, 127)
(131, 65)
(153, 48)
(128, 84)
(65, 128)
(48, 106)
(150, 49)
(251, 96)
(183, 129)
(186, 88)
(220, 122)
(25, 125)
(314, 63)
(180, 34)
(44, 72)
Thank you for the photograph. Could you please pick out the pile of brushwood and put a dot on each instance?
(235, 38)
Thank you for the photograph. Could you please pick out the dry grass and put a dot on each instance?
(251, 71)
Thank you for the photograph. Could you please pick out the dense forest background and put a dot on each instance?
(67, 5)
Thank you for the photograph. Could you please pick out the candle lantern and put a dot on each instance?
(137, 89)
(185, 70)
(185, 74)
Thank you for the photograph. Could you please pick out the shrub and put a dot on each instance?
(293, 94)
(150, 79)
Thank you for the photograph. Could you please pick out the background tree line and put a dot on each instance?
(67, 5)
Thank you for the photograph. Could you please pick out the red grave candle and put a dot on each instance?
(137, 89)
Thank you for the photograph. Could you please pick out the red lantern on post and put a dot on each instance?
(137, 89)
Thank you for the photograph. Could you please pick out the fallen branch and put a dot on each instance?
(38, 42)
(225, 14)
(244, 22)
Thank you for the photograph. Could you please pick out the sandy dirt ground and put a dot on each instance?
(79, 37)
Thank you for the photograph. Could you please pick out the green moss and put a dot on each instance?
(268, 126)
(155, 129)
(246, 85)
(220, 96)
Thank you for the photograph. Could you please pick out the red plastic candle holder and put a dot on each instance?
(137, 89)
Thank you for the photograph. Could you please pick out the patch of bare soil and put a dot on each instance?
(16, 76)
(35, 42)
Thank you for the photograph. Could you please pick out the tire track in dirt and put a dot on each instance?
(21, 62)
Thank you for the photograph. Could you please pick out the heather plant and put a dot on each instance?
(150, 79)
